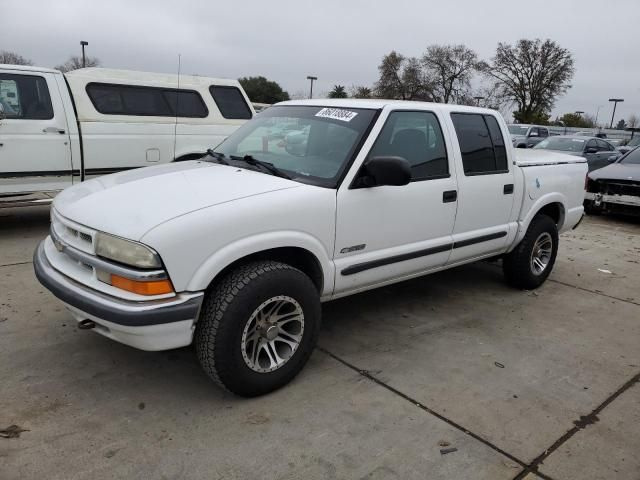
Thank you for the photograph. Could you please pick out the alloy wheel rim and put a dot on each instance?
(272, 334)
(541, 253)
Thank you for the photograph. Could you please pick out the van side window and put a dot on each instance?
(230, 102)
(415, 136)
(25, 97)
(113, 99)
(481, 144)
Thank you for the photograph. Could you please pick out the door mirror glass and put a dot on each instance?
(379, 171)
(591, 150)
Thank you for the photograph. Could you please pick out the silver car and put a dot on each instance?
(598, 152)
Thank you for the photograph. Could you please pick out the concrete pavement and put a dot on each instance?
(523, 384)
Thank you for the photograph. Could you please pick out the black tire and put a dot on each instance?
(517, 265)
(225, 312)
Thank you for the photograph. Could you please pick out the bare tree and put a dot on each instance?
(11, 58)
(533, 73)
(633, 121)
(451, 67)
(403, 78)
(75, 62)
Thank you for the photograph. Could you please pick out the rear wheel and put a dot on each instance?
(258, 327)
(531, 262)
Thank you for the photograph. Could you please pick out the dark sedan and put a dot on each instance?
(615, 188)
(598, 152)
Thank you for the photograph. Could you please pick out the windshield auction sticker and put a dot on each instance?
(337, 114)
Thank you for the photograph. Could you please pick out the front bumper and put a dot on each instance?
(598, 198)
(150, 325)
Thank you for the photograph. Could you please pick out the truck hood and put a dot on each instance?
(129, 204)
(617, 171)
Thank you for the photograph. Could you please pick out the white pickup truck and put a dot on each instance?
(236, 251)
(59, 129)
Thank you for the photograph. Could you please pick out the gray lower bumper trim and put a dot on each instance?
(122, 312)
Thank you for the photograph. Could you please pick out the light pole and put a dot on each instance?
(312, 78)
(478, 100)
(84, 44)
(579, 112)
(597, 113)
(615, 104)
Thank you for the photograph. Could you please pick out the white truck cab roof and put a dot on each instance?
(28, 68)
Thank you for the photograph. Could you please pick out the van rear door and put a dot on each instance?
(35, 154)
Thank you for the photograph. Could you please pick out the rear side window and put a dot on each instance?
(111, 99)
(416, 137)
(230, 102)
(481, 144)
(604, 146)
(25, 97)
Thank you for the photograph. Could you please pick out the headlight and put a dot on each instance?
(126, 251)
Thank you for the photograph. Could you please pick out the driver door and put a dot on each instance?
(387, 233)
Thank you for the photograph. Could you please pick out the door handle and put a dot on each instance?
(449, 196)
(53, 130)
(508, 189)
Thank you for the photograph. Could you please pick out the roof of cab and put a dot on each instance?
(382, 103)
(97, 74)
(28, 68)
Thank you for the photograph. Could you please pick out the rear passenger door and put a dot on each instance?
(35, 154)
(485, 187)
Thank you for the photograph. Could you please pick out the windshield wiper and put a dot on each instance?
(218, 156)
(270, 167)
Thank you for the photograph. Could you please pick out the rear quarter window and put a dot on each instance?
(481, 144)
(230, 102)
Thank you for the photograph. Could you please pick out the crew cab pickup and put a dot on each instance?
(59, 129)
(235, 252)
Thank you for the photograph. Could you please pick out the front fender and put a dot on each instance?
(239, 249)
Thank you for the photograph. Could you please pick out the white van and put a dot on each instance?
(58, 129)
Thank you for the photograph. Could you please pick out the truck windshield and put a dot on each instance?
(518, 129)
(562, 144)
(310, 144)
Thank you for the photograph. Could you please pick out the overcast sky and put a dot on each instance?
(339, 41)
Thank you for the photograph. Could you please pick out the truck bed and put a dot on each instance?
(530, 157)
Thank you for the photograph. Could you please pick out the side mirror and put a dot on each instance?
(591, 150)
(379, 171)
(612, 158)
(522, 145)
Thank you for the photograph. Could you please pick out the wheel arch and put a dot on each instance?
(553, 205)
(302, 253)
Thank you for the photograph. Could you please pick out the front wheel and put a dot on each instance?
(531, 262)
(258, 327)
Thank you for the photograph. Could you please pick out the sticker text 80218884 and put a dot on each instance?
(337, 114)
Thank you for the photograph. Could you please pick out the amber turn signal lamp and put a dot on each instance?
(155, 287)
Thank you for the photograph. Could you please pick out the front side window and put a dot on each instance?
(230, 102)
(416, 137)
(604, 146)
(25, 97)
(543, 132)
(112, 99)
(481, 144)
(311, 144)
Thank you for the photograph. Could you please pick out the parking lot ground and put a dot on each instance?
(527, 385)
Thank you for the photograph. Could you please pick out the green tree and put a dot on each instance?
(532, 74)
(11, 58)
(621, 125)
(451, 68)
(361, 92)
(75, 62)
(403, 78)
(261, 90)
(576, 120)
(338, 91)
